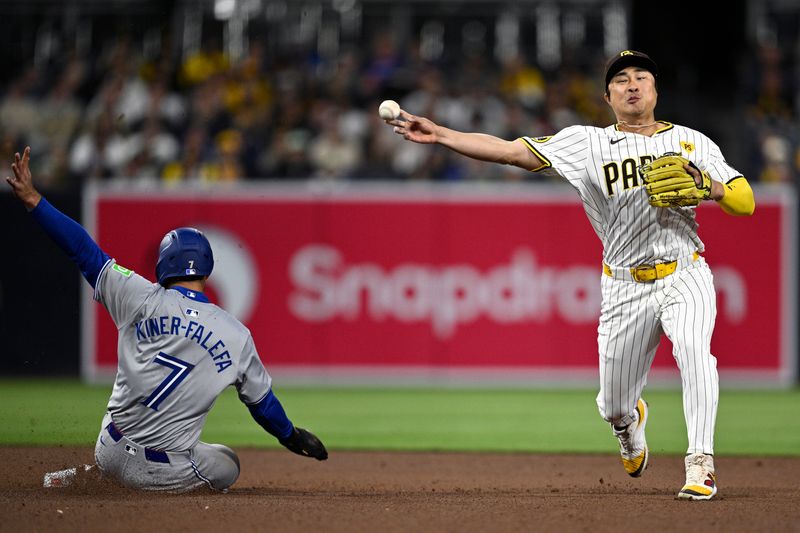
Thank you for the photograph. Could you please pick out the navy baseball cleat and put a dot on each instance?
(632, 444)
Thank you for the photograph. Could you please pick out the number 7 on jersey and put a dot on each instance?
(180, 369)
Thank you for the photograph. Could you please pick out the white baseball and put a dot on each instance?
(389, 110)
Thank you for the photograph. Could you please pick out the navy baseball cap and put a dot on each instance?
(629, 58)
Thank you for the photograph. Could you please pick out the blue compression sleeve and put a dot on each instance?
(72, 238)
(270, 415)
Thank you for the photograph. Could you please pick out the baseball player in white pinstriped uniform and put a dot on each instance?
(654, 280)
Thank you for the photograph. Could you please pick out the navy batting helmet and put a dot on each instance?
(184, 252)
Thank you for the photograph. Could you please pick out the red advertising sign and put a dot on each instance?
(439, 281)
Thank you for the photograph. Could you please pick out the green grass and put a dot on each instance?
(52, 412)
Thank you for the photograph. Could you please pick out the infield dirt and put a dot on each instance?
(377, 491)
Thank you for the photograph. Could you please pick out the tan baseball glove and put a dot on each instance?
(669, 184)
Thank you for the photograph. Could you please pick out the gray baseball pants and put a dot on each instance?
(206, 465)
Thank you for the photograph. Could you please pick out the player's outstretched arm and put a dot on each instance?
(65, 232)
(270, 415)
(475, 145)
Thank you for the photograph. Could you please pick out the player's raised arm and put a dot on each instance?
(475, 145)
(22, 182)
(67, 234)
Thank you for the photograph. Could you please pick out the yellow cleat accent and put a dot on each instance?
(701, 481)
(697, 492)
(633, 446)
(634, 467)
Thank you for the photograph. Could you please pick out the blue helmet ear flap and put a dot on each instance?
(184, 252)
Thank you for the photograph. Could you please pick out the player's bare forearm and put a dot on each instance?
(22, 182)
(478, 146)
(487, 148)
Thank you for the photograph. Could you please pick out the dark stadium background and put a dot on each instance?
(711, 57)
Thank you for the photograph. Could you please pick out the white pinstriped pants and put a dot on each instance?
(633, 315)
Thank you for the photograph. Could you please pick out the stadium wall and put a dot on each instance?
(432, 284)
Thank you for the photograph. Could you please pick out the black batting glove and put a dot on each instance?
(305, 443)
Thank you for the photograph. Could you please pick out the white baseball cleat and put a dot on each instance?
(632, 444)
(701, 481)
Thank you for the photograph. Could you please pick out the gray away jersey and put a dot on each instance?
(176, 355)
(602, 163)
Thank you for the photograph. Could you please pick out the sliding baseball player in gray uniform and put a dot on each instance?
(177, 352)
(639, 180)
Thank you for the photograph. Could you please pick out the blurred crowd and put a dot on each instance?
(771, 132)
(125, 117)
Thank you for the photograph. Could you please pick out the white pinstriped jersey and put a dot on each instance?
(177, 353)
(602, 163)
